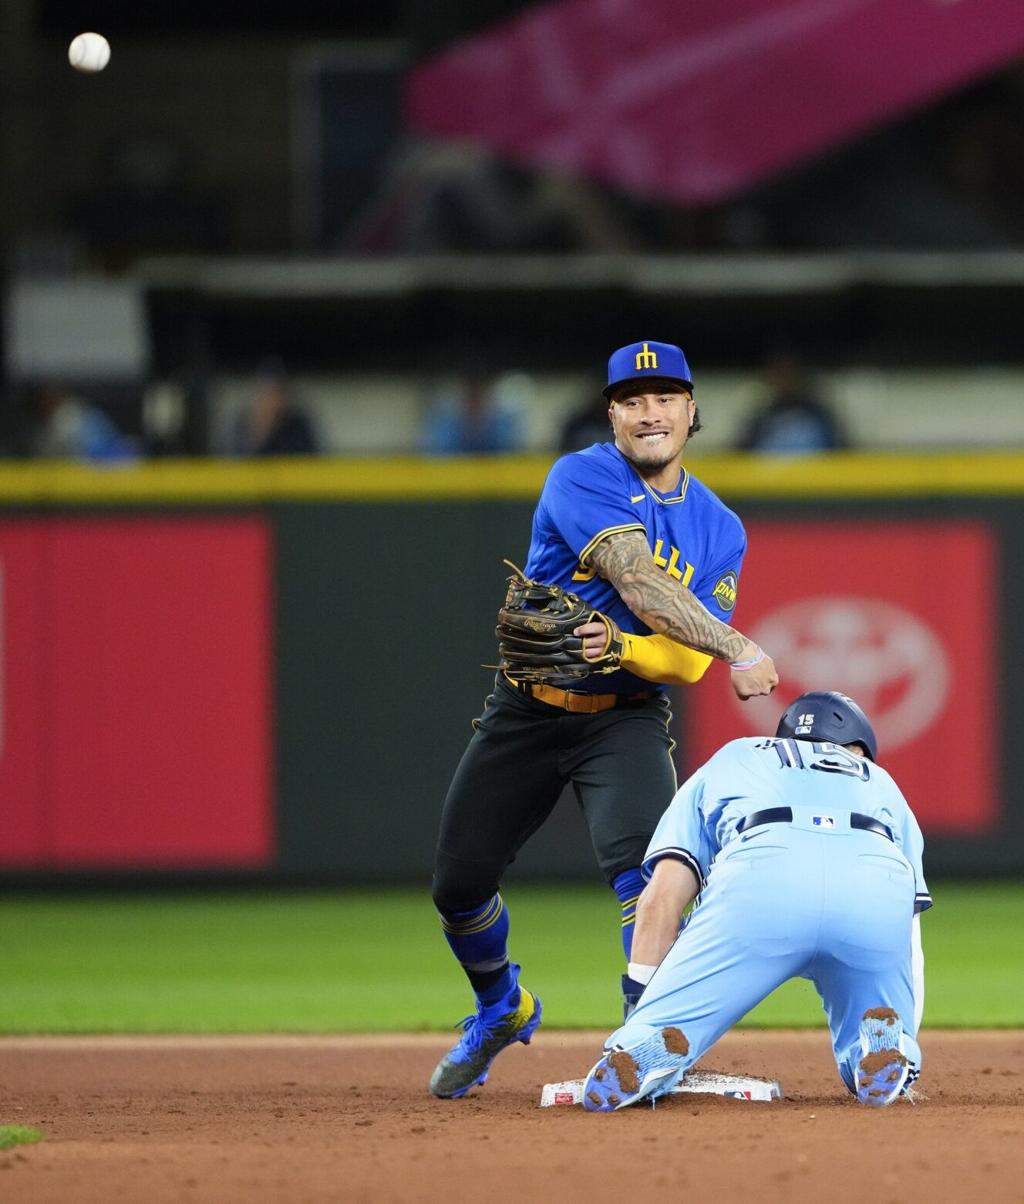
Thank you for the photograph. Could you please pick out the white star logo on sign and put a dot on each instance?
(885, 657)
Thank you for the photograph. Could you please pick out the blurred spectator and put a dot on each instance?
(65, 427)
(165, 418)
(273, 423)
(587, 425)
(477, 417)
(792, 420)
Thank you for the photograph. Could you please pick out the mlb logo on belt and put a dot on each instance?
(823, 821)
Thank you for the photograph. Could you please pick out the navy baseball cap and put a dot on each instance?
(657, 361)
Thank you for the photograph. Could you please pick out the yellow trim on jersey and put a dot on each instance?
(588, 550)
(669, 501)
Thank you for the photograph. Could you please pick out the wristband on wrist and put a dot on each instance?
(750, 663)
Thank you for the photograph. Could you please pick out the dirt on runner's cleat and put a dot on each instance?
(631, 1072)
(884, 1068)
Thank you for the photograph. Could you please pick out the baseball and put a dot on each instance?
(89, 52)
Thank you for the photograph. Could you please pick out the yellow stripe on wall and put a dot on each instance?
(862, 474)
(512, 478)
(197, 482)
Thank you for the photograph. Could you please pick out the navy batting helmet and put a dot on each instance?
(828, 715)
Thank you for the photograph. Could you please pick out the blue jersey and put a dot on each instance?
(693, 537)
(822, 783)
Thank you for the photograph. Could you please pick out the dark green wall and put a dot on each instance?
(385, 617)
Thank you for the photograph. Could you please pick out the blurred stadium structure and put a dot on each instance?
(278, 187)
(389, 201)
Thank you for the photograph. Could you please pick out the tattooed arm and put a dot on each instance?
(666, 606)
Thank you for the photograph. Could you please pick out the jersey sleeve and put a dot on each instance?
(718, 587)
(585, 500)
(680, 833)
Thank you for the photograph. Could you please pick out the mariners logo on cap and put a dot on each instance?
(638, 360)
(646, 358)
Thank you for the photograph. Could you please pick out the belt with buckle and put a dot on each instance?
(784, 815)
(577, 701)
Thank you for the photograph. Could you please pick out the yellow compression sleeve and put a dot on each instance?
(657, 658)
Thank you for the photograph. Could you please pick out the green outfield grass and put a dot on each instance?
(376, 961)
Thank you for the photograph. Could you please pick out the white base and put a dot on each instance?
(697, 1082)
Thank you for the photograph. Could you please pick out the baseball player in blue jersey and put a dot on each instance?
(627, 528)
(807, 860)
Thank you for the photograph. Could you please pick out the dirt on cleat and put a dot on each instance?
(625, 1067)
(675, 1041)
(886, 1014)
(872, 1063)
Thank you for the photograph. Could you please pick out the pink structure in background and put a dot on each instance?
(696, 100)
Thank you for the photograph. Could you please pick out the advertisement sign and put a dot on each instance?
(24, 828)
(899, 616)
(696, 102)
(135, 693)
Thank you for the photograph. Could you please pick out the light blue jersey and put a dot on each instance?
(694, 538)
(810, 861)
(822, 784)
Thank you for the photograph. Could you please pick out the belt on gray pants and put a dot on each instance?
(784, 815)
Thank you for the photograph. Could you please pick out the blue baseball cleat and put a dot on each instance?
(484, 1036)
(883, 1070)
(644, 1070)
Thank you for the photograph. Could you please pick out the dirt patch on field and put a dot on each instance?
(226, 1120)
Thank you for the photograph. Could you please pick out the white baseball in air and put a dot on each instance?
(89, 52)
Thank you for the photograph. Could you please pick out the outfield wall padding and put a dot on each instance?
(381, 583)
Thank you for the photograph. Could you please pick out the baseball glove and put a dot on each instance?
(535, 633)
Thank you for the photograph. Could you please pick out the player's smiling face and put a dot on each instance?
(651, 427)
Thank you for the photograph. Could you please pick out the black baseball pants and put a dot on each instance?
(522, 755)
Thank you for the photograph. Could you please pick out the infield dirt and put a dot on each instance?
(311, 1119)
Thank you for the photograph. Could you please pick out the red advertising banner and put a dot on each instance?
(899, 616)
(24, 827)
(135, 687)
(701, 100)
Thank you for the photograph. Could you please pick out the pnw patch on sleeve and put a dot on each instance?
(724, 592)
